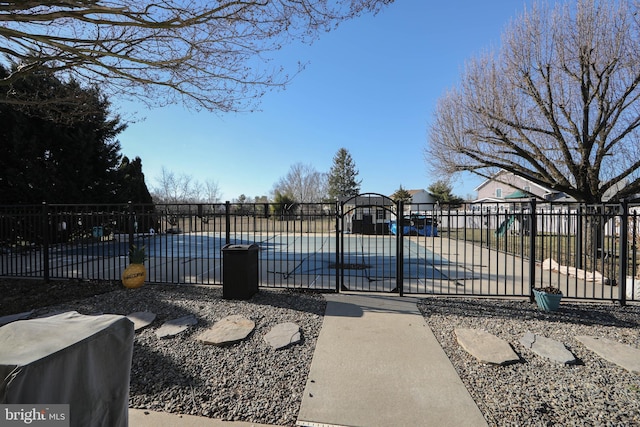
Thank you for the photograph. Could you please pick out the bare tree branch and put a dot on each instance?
(303, 183)
(211, 55)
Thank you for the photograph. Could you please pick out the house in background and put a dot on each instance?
(421, 196)
(505, 188)
(421, 201)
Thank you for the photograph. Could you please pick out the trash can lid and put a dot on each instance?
(239, 247)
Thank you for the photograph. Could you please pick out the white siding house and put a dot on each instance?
(421, 201)
(505, 188)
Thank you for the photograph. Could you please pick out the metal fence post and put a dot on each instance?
(45, 241)
(533, 222)
(338, 251)
(227, 222)
(131, 226)
(579, 225)
(400, 247)
(624, 251)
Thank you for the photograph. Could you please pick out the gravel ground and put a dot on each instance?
(21, 295)
(251, 382)
(248, 381)
(536, 391)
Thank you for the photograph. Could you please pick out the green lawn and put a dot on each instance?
(562, 248)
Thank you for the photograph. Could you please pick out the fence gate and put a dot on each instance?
(368, 250)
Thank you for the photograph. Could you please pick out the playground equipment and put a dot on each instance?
(505, 225)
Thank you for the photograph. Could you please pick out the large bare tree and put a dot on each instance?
(172, 188)
(303, 183)
(557, 103)
(207, 54)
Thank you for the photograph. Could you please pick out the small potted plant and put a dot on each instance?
(135, 274)
(548, 298)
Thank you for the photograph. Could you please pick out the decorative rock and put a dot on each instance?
(283, 335)
(550, 264)
(633, 288)
(486, 347)
(229, 330)
(547, 347)
(141, 319)
(13, 317)
(175, 326)
(621, 354)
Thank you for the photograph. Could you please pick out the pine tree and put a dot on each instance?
(343, 176)
(401, 194)
(131, 186)
(442, 192)
(72, 160)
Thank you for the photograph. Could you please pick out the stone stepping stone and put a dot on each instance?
(13, 317)
(485, 347)
(229, 330)
(175, 326)
(621, 354)
(141, 319)
(283, 335)
(547, 347)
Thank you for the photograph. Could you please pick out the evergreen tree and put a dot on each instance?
(131, 184)
(45, 159)
(401, 194)
(343, 176)
(441, 191)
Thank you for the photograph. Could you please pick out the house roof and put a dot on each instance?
(371, 200)
(614, 190)
(559, 198)
(493, 178)
(487, 200)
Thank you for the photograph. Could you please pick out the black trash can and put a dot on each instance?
(239, 271)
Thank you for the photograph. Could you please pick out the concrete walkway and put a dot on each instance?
(146, 418)
(377, 363)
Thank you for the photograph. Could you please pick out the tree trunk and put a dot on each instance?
(593, 236)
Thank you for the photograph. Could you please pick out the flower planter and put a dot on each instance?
(547, 301)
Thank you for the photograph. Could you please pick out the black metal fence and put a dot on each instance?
(497, 249)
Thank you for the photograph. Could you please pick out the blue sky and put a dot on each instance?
(370, 86)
